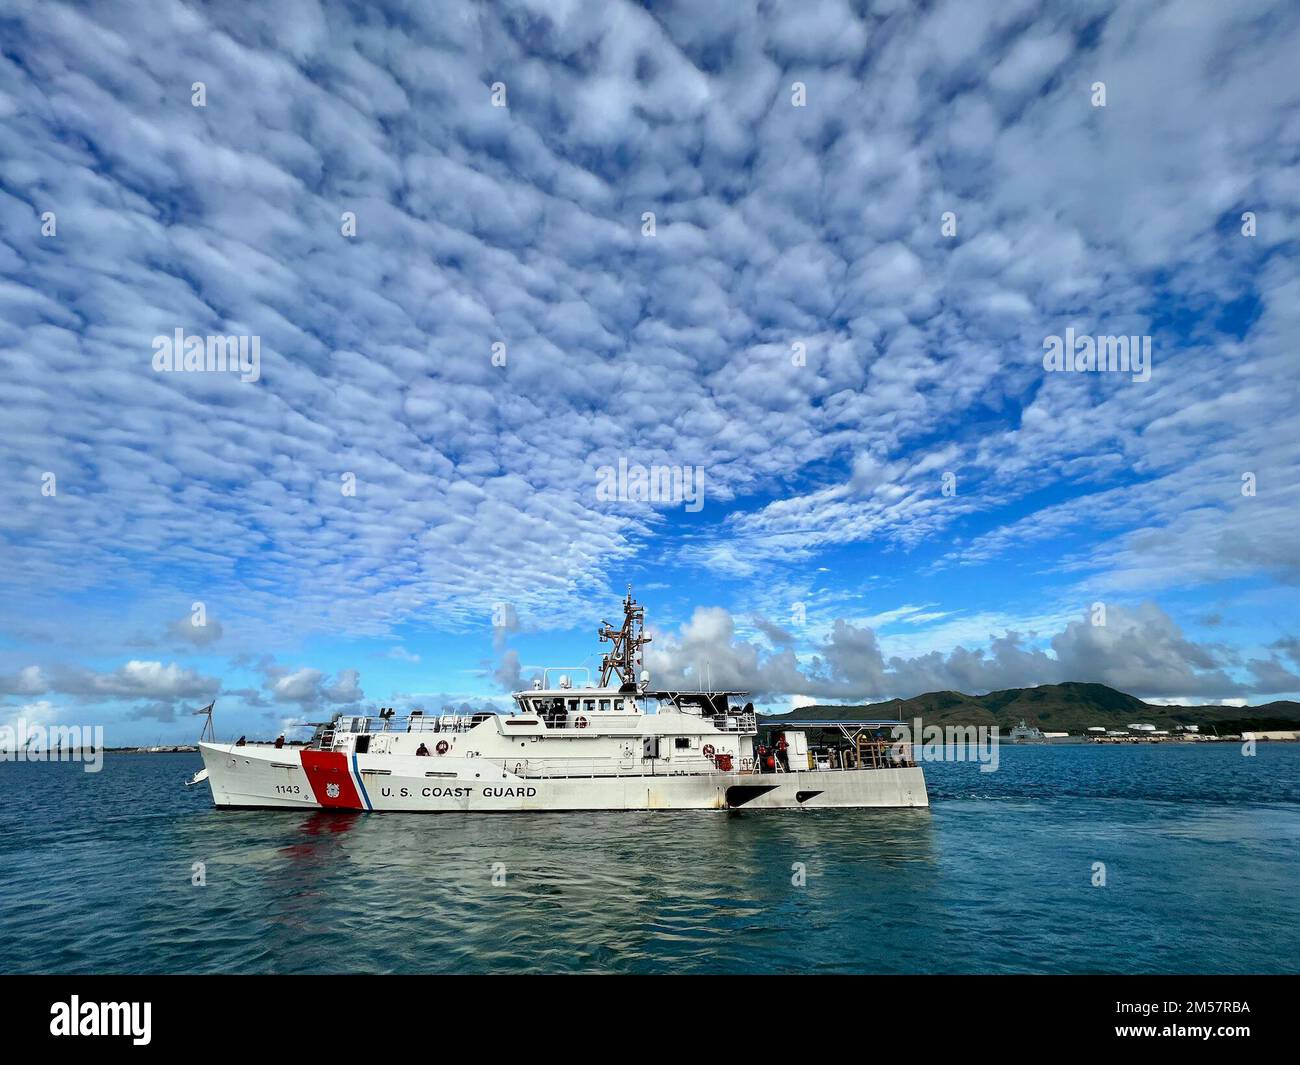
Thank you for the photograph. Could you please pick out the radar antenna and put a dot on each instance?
(625, 658)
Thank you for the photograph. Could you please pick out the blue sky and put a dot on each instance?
(799, 325)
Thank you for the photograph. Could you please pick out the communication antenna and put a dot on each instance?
(624, 660)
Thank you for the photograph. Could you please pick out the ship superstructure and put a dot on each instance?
(616, 744)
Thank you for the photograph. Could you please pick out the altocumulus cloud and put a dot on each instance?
(522, 225)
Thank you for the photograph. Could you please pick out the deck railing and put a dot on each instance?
(434, 723)
(326, 735)
(738, 722)
(886, 757)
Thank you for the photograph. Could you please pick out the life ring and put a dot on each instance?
(709, 752)
(443, 747)
(580, 722)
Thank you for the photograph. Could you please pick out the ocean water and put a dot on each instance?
(1201, 848)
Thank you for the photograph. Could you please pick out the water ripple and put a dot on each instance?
(1199, 846)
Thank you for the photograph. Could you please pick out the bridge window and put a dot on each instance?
(682, 743)
(550, 710)
(604, 704)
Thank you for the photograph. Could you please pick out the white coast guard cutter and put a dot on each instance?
(615, 745)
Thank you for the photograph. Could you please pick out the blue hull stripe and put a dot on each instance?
(361, 787)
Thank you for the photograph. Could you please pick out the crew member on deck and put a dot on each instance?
(422, 751)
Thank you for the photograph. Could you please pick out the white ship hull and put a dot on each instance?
(297, 778)
(611, 746)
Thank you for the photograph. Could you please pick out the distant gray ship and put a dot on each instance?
(1024, 733)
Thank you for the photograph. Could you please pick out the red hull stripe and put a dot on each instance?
(331, 783)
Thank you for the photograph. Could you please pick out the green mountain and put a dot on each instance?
(1069, 707)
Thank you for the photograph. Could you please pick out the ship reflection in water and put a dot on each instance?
(613, 891)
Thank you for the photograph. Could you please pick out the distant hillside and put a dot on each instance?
(1069, 707)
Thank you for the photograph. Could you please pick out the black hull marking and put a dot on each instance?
(739, 794)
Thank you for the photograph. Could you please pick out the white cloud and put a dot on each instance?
(776, 224)
(1140, 651)
(42, 713)
(310, 688)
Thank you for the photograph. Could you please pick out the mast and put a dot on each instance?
(625, 657)
(209, 731)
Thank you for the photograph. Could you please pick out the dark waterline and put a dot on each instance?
(1199, 845)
